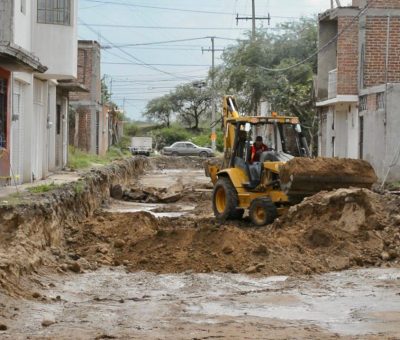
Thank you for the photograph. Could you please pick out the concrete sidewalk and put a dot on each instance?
(58, 178)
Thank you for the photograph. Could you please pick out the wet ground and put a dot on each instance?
(165, 179)
(115, 304)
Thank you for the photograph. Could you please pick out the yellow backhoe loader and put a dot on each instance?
(282, 175)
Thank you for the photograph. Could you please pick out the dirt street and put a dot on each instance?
(154, 264)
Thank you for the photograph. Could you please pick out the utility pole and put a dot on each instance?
(213, 109)
(253, 18)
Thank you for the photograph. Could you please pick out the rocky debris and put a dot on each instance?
(3, 327)
(228, 250)
(48, 322)
(75, 267)
(153, 195)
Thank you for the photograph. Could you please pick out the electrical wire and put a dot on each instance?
(334, 39)
(132, 63)
(178, 27)
(131, 55)
(175, 9)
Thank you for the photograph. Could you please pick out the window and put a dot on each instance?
(363, 103)
(3, 113)
(23, 6)
(58, 119)
(54, 12)
(380, 101)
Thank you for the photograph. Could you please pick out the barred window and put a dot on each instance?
(363, 103)
(56, 12)
(380, 100)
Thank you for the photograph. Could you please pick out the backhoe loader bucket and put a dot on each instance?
(302, 177)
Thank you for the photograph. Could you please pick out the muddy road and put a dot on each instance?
(153, 263)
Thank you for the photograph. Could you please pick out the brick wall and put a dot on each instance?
(347, 57)
(377, 3)
(384, 3)
(84, 121)
(375, 51)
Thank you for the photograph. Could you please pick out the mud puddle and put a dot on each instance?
(353, 304)
(178, 185)
(168, 177)
(158, 210)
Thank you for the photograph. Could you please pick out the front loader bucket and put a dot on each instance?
(302, 177)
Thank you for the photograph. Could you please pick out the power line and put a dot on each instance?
(334, 39)
(132, 63)
(175, 9)
(129, 54)
(179, 27)
(167, 42)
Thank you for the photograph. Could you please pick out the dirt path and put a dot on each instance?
(156, 265)
(115, 304)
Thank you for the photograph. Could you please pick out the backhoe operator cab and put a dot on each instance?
(240, 184)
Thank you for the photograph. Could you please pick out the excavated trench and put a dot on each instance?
(152, 262)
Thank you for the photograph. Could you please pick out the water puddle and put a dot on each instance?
(156, 209)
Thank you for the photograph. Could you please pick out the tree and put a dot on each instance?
(161, 109)
(192, 104)
(246, 71)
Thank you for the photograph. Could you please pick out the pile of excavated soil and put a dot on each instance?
(327, 167)
(330, 231)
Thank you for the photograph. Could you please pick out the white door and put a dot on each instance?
(39, 124)
(17, 133)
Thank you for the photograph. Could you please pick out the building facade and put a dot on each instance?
(37, 105)
(91, 128)
(359, 84)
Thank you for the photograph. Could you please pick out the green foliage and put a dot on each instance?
(78, 159)
(187, 101)
(131, 129)
(167, 136)
(192, 104)
(78, 187)
(289, 92)
(161, 109)
(42, 188)
(105, 93)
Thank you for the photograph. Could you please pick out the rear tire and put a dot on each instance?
(262, 211)
(203, 154)
(225, 200)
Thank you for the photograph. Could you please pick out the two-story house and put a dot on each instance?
(91, 127)
(36, 122)
(359, 83)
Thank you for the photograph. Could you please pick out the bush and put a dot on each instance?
(130, 129)
(167, 136)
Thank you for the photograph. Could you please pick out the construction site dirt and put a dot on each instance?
(155, 264)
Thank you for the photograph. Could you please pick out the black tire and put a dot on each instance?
(225, 200)
(174, 153)
(203, 154)
(262, 211)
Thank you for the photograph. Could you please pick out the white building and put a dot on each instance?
(39, 105)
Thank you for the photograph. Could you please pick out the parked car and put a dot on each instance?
(187, 149)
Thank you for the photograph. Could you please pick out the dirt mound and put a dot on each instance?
(302, 177)
(330, 231)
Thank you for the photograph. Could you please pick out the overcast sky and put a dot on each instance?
(153, 21)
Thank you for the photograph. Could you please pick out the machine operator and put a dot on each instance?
(257, 149)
